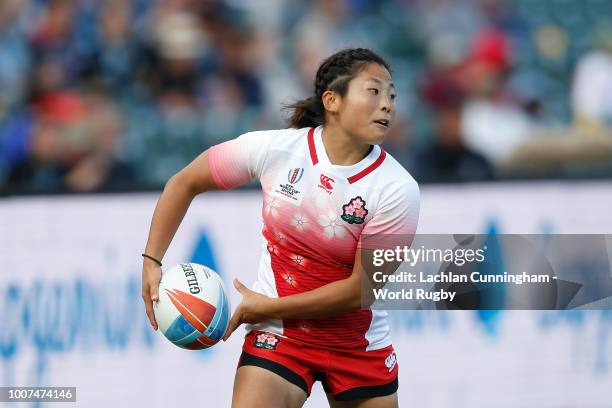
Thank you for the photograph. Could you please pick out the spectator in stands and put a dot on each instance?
(493, 123)
(592, 88)
(71, 145)
(117, 46)
(447, 158)
(15, 59)
(62, 54)
(186, 74)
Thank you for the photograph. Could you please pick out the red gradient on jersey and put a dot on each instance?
(346, 330)
(196, 311)
(309, 244)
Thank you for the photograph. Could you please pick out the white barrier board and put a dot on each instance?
(71, 312)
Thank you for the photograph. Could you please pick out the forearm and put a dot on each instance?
(326, 301)
(169, 212)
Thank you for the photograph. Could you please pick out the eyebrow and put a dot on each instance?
(380, 82)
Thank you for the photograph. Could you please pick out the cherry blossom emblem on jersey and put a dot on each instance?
(354, 212)
(266, 341)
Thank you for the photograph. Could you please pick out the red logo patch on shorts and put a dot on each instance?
(391, 361)
(266, 341)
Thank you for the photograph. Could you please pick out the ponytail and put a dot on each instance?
(307, 112)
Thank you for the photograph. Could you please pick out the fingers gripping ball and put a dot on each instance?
(193, 310)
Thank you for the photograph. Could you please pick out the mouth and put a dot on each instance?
(382, 122)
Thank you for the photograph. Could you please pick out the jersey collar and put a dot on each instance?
(353, 173)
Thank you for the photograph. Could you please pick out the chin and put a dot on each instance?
(377, 138)
(370, 136)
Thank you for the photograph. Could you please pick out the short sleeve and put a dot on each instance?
(239, 160)
(396, 219)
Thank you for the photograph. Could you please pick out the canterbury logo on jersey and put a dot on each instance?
(326, 183)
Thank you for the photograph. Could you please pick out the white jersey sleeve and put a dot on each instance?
(396, 219)
(239, 160)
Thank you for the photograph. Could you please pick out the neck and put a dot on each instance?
(341, 148)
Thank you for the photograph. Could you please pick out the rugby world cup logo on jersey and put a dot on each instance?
(326, 183)
(288, 190)
(295, 175)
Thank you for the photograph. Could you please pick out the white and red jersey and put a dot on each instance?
(315, 215)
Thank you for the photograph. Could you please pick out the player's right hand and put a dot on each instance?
(151, 276)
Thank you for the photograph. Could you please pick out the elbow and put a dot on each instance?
(180, 182)
(357, 304)
(173, 182)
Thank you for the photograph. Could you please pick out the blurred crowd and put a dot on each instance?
(120, 94)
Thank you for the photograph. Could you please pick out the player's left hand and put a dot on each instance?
(254, 308)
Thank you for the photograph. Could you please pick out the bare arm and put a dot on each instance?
(169, 212)
(336, 297)
(328, 300)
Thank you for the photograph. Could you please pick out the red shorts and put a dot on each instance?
(346, 374)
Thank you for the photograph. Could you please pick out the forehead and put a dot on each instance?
(374, 71)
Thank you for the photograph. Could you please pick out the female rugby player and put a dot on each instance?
(330, 192)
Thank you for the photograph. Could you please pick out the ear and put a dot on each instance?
(331, 101)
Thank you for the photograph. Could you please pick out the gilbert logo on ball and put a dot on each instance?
(193, 310)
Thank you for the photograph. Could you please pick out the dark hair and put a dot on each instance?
(333, 74)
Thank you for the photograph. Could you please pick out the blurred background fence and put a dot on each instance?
(120, 94)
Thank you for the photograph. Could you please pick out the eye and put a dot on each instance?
(392, 97)
(374, 91)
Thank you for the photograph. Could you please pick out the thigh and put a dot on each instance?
(256, 387)
(388, 401)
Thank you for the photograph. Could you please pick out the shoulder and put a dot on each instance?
(396, 204)
(276, 136)
(396, 181)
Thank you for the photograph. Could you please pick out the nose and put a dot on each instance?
(387, 104)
